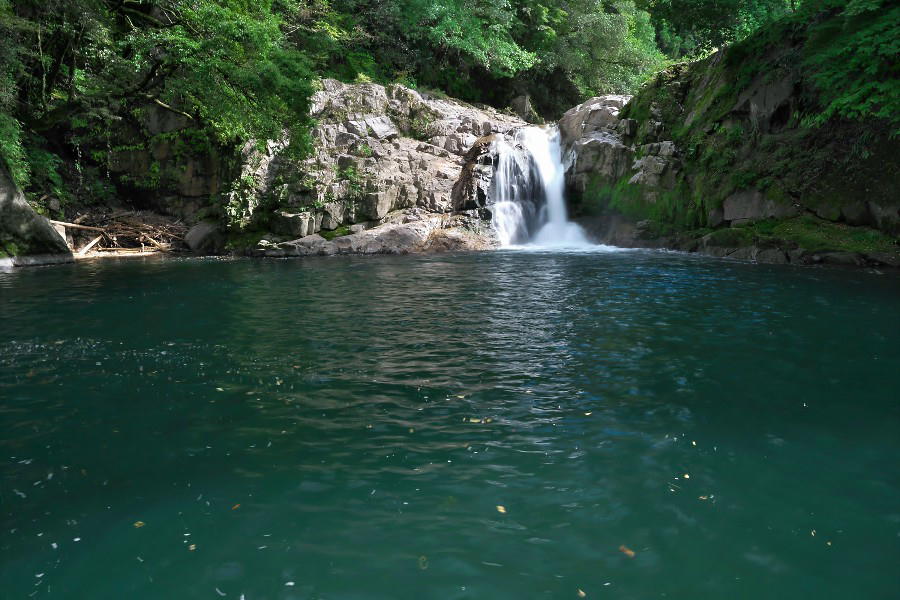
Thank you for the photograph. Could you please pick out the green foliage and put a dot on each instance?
(46, 171)
(77, 68)
(695, 27)
(244, 240)
(363, 150)
(198, 78)
(418, 127)
(813, 234)
(11, 151)
(10, 248)
(238, 201)
(484, 50)
(229, 65)
(356, 183)
(853, 62)
(837, 60)
(339, 232)
(674, 209)
(605, 47)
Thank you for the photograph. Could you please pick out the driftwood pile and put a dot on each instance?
(124, 233)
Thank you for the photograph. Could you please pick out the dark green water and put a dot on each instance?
(310, 422)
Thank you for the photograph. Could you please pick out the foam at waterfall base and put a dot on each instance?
(555, 247)
(561, 235)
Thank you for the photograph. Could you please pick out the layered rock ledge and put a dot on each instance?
(381, 177)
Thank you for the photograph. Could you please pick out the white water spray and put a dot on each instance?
(527, 190)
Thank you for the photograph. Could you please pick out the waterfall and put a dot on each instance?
(528, 205)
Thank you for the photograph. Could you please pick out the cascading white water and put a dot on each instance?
(527, 192)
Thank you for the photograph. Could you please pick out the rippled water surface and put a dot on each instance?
(488, 426)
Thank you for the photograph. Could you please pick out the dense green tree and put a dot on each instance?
(853, 60)
(81, 64)
(686, 27)
(606, 47)
(487, 51)
(242, 69)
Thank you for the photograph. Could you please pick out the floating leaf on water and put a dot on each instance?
(626, 551)
(236, 506)
(139, 524)
(693, 443)
(686, 476)
(219, 390)
(423, 562)
(828, 543)
(588, 413)
(501, 509)
(582, 593)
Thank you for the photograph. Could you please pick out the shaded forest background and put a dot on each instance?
(70, 70)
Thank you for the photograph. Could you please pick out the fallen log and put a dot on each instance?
(77, 226)
(90, 245)
(128, 250)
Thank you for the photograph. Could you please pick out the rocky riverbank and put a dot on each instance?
(394, 170)
(725, 156)
(625, 191)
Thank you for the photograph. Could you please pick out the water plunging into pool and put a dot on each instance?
(529, 205)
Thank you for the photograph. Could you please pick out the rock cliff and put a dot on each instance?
(724, 144)
(384, 159)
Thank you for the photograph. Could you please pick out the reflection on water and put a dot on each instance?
(346, 428)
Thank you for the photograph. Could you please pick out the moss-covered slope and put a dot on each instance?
(763, 139)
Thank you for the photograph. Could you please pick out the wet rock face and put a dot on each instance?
(473, 188)
(592, 144)
(23, 232)
(598, 146)
(596, 115)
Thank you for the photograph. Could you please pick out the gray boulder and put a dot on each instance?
(206, 237)
(886, 216)
(23, 231)
(295, 225)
